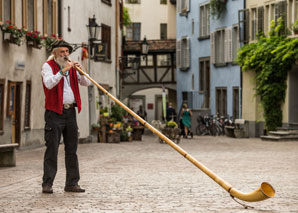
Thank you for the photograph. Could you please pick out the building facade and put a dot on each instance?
(155, 21)
(259, 15)
(21, 91)
(208, 79)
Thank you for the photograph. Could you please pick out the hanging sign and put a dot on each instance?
(99, 52)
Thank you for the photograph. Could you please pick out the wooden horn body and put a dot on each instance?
(264, 192)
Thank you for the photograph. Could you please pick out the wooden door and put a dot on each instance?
(13, 110)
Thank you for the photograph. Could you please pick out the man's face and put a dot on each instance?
(60, 53)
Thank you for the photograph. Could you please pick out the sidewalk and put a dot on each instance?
(146, 176)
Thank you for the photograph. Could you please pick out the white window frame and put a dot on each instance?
(204, 18)
(183, 53)
(218, 45)
(183, 7)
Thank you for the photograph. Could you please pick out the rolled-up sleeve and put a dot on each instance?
(49, 79)
(83, 80)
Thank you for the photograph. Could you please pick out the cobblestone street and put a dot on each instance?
(147, 176)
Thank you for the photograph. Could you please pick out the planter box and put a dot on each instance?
(113, 137)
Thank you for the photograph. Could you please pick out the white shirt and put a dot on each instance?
(50, 80)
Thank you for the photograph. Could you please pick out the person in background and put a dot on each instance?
(142, 113)
(61, 88)
(171, 113)
(186, 119)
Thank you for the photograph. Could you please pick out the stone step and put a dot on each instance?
(283, 133)
(279, 138)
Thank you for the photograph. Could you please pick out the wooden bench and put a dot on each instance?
(7, 154)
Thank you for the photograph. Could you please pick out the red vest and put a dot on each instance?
(54, 96)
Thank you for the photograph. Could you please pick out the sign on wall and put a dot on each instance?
(99, 52)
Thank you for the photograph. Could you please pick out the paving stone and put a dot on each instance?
(148, 176)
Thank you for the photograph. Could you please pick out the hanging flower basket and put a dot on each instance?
(11, 33)
(34, 39)
(6, 36)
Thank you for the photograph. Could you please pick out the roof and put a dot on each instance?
(154, 46)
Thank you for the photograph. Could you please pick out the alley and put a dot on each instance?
(148, 176)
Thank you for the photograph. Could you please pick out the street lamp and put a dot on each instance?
(144, 46)
(93, 31)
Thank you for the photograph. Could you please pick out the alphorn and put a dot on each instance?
(263, 192)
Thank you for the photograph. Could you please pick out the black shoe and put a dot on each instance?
(47, 189)
(75, 188)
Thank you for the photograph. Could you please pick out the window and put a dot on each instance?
(163, 31)
(235, 42)
(235, 102)
(293, 12)
(218, 47)
(183, 53)
(2, 84)
(27, 105)
(133, 1)
(281, 12)
(204, 20)
(243, 20)
(133, 31)
(183, 7)
(29, 14)
(221, 101)
(50, 17)
(163, 1)
(164, 60)
(260, 19)
(204, 81)
(106, 39)
(1, 12)
(253, 24)
(107, 2)
(11, 93)
(9, 10)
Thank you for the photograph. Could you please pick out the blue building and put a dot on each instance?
(208, 78)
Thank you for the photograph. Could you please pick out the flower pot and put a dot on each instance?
(30, 43)
(6, 36)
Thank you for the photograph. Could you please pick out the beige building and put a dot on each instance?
(21, 91)
(261, 13)
(154, 20)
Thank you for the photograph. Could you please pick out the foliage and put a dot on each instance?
(217, 7)
(126, 17)
(48, 41)
(117, 112)
(34, 36)
(171, 124)
(16, 33)
(271, 58)
(295, 27)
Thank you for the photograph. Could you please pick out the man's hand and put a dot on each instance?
(68, 66)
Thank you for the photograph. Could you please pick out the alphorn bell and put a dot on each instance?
(264, 192)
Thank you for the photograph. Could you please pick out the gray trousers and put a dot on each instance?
(57, 125)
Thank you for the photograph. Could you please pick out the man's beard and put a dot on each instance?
(61, 61)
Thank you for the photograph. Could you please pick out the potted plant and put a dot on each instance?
(34, 39)
(11, 33)
(48, 41)
(217, 7)
(295, 27)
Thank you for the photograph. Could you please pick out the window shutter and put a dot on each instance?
(179, 6)
(178, 54)
(187, 5)
(212, 44)
(228, 45)
(243, 22)
(208, 19)
(187, 54)
(260, 19)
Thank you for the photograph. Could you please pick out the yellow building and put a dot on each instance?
(258, 16)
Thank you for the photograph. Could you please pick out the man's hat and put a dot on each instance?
(62, 43)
